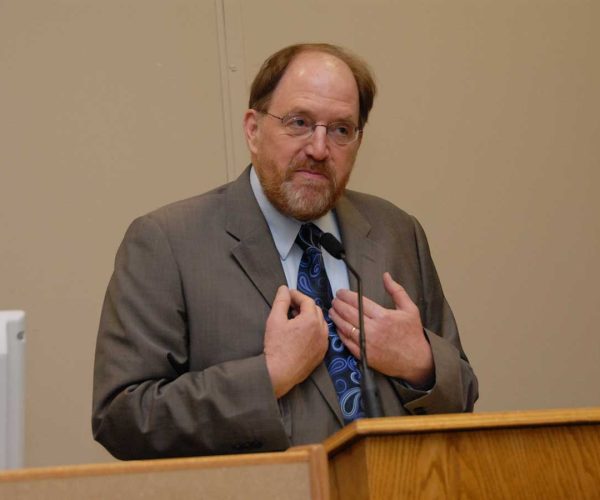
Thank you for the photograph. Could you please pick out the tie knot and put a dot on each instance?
(309, 236)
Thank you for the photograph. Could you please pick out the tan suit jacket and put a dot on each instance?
(179, 364)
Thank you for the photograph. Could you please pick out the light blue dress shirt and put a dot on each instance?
(285, 229)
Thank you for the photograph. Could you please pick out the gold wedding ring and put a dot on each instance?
(353, 330)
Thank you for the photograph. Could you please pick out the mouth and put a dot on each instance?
(310, 174)
(312, 171)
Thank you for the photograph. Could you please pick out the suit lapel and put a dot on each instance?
(255, 252)
(366, 255)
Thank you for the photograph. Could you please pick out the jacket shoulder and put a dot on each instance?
(376, 209)
(194, 206)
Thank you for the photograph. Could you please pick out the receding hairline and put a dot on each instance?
(276, 66)
(325, 56)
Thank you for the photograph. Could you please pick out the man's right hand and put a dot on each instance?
(293, 347)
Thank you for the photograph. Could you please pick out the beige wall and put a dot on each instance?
(487, 128)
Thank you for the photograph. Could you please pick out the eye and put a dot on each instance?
(298, 123)
(341, 129)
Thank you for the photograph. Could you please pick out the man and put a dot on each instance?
(206, 347)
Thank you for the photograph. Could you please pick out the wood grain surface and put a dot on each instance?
(516, 455)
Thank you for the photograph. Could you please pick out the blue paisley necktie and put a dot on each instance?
(341, 364)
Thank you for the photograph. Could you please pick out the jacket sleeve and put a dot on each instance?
(146, 403)
(455, 388)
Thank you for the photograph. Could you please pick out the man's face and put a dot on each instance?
(304, 177)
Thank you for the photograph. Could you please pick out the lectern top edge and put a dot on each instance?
(459, 422)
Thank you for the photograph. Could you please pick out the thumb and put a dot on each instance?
(398, 293)
(281, 303)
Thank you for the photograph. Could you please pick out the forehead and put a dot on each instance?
(319, 83)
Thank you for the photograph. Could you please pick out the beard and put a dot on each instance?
(302, 199)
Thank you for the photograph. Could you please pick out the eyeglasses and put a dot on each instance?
(299, 125)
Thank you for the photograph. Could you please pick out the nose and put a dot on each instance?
(317, 146)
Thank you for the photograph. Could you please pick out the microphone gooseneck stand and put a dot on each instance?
(368, 387)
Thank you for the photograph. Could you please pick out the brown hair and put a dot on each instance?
(275, 66)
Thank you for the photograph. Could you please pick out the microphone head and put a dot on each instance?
(333, 246)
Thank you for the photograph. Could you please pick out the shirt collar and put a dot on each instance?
(283, 228)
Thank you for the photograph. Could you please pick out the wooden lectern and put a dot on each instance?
(548, 454)
(513, 455)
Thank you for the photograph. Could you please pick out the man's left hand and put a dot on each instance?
(395, 341)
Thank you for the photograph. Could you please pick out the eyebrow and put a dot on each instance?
(300, 111)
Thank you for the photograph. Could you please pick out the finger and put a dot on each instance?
(301, 301)
(349, 318)
(397, 292)
(344, 328)
(352, 346)
(372, 311)
(346, 331)
(346, 312)
(370, 308)
(305, 305)
(281, 302)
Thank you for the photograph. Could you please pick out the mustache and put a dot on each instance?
(323, 168)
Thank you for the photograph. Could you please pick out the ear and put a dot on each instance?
(251, 129)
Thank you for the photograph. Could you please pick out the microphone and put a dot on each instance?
(367, 385)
